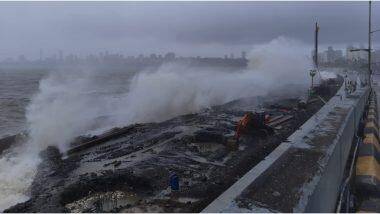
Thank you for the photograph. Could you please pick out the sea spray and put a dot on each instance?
(70, 103)
(17, 170)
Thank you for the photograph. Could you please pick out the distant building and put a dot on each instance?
(333, 55)
(134, 62)
(329, 56)
(354, 56)
(60, 55)
(169, 56)
(8, 60)
(363, 54)
(349, 54)
(376, 56)
(22, 59)
(41, 55)
(376, 61)
(243, 55)
(322, 57)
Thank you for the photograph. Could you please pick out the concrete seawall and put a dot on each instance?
(304, 173)
(367, 176)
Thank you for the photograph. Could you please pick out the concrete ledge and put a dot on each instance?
(304, 173)
(370, 147)
(367, 178)
(371, 205)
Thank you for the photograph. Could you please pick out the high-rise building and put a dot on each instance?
(330, 54)
(169, 56)
(333, 55)
(243, 54)
(41, 55)
(60, 56)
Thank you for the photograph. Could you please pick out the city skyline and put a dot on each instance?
(61, 56)
(196, 28)
(325, 55)
(50, 54)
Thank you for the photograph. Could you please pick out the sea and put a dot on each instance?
(17, 86)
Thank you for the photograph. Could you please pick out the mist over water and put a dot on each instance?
(72, 103)
(177, 89)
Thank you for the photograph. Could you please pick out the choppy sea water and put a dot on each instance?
(16, 89)
(70, 103)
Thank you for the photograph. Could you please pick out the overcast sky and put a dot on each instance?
(188, 28)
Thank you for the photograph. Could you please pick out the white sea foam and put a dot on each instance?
(71, 103)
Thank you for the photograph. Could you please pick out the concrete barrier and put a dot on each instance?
(367, 179)
(370, 205)
(304, 173)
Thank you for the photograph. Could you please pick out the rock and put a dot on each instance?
(208, 136)
(277, 194)
(82, 174)
(116, 163)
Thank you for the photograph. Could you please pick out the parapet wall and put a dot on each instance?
(304, 173)
(367, 176)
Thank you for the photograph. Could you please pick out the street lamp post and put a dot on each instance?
(369, 41)
(369, 49)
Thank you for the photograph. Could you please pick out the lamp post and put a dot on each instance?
(369, 49)
(369, 41)
(315, 59)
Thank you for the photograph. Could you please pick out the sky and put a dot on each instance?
(187, 28)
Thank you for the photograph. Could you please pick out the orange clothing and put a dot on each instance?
(242, 125)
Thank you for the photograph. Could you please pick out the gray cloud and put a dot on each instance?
(185, 27)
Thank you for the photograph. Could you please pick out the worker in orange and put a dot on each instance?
(251, 123)
(242, 125)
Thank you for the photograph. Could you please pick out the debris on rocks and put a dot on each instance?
(128, 169)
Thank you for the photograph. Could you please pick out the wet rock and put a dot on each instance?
(139, 159)
(277, 194)
(9, 141)
(208, 136)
